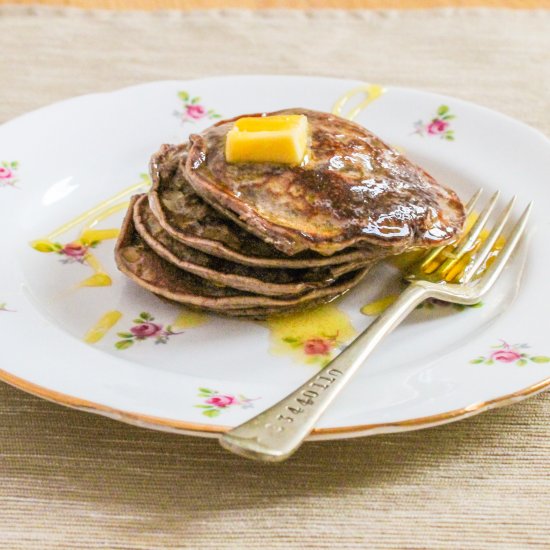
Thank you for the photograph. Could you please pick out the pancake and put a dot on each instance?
(265, 281)
(140, 263)
(354, 191)
(258, 313)
(190, 220)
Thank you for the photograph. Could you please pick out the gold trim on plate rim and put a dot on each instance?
(207, 430)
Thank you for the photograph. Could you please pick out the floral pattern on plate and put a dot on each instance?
(319, 349)
(510, 353)
(224, 367)
(74, 252)
(4, 307)
(145, 329)
(79, 250)
(313, 336)
(193, 110)
(214, 402)
(8, 173)
(440, 125)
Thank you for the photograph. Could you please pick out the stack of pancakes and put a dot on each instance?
(257, 239)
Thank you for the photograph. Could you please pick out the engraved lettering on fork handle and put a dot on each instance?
(277, 432)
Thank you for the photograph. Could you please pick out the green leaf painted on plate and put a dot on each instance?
(211, 413)
(540, 359)
(124, 344)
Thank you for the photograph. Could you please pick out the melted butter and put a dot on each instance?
(189, 319)
(102, 327)
(311, 336)
(43, 245)
(405, 262)
(87, 237)
(96, 210)
(90, 235)
(457, 271)
(93, 262)
(372, 93)
(379, 306)
(98, 279)
(407, 259)
(109, 211)
(97, 235)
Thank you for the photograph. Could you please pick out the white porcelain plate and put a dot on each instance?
(163, 367)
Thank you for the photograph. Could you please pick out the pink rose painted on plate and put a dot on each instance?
(145, 329)
(193, 110)
(318, 346)
(506, 355)
(221, 401)
(8, 173)
(440, 125)
(437, 126)
(74, 252)
(214, 402)
(510, 353)
(317, 349)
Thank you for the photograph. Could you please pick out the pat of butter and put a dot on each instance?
(280, 139)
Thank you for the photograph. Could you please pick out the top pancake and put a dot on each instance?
(354, 191)
(190, 220)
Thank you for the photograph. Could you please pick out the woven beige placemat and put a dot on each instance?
(73, 480)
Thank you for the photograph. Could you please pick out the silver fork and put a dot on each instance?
(277, 432)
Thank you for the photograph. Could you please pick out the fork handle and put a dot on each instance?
(277, 432)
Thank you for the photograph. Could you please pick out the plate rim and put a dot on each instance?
(510, 118)
(209, 430)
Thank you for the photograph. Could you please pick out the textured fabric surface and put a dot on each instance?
(73, 480)
(294, 4)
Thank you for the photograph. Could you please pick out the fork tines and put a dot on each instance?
(477, 248)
